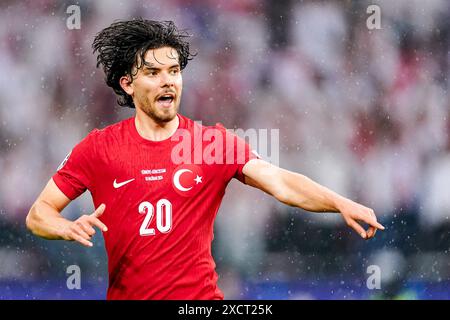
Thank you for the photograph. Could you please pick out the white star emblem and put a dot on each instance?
(198, 179)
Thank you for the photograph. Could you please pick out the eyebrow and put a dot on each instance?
(151, 66)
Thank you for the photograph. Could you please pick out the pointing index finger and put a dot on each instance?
(372, 221)
(376, 224)
(97, 213)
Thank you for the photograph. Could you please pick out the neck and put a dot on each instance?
(152, 130)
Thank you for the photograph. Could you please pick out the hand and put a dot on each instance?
(81, 230)
(353, 213)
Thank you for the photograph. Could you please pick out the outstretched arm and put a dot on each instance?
(298, 190)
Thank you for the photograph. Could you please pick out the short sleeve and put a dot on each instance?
(76, 173)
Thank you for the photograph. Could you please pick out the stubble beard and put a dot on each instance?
(159, 116)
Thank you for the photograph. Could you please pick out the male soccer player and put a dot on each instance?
(157, 179)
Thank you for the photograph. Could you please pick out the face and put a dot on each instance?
(156, 88)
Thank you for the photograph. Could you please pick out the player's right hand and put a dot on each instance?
(81, 230)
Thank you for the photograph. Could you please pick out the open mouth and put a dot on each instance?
(166, 99)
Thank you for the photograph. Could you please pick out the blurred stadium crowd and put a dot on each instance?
(364, 112)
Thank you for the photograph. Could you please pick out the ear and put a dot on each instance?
(126, 84)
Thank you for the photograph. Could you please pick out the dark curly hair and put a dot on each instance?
(122, 46)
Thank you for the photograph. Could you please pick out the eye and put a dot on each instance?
(174, 71)
(151, 72)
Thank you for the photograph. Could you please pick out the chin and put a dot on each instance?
(161, 115)
(164, 117)
(167, 119)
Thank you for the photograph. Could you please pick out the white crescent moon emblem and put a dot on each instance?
(176, 179)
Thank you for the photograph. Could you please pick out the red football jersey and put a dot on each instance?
(161, 200)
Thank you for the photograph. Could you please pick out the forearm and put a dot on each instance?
(46, 222)
(300, 191)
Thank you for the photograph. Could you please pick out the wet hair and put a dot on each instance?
(122, 47)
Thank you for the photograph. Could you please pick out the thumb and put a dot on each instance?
(99, 211)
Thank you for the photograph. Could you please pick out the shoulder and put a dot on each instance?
(114, 130)
(188, 123)
(103, 138)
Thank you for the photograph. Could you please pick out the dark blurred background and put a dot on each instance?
(364, 112)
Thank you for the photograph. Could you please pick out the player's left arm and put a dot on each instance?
(298, 190)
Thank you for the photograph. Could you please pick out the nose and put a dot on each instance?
(166, 80)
